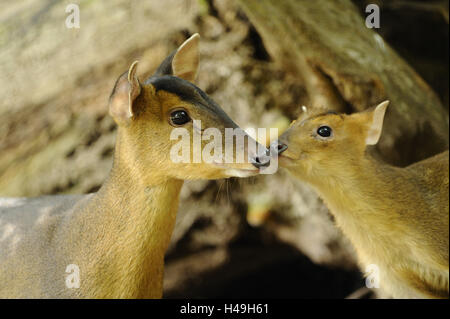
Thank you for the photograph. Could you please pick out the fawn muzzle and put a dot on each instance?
(278, 147)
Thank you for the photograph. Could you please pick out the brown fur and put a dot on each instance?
(396, 218)
(117, 236)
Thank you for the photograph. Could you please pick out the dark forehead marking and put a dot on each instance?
(186, 91)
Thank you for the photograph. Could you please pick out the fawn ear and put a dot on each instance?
(376, 123)
(186, 59)
(124, 94)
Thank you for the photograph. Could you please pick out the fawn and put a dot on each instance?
(396, 218)
(117, 237)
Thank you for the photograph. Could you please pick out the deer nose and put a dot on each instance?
(262, 160)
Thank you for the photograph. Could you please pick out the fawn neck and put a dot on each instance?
(362, 198)
(131, 218)
(365, 181)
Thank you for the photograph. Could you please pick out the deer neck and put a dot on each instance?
(128, 224)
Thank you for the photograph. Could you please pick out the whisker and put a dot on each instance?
(228, 193)
(218, 191)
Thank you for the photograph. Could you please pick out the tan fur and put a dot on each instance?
(117, 236)
(396, 218)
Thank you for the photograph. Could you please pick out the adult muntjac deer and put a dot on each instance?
(396, 218)
(116, 238)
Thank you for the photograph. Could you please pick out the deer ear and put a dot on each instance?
(186, 59)
(376, 123)
(124, 94)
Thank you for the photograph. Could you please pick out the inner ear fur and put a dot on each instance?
(375, 123)
(186, 59)
(124, 94)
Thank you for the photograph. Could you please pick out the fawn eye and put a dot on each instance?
(179, 117)
(324, 131)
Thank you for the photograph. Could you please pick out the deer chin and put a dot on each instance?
(235, 172)
(230, 171)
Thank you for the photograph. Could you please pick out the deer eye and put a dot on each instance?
(324, 131)
(179, 117)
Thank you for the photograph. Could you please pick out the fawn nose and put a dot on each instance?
(280, 147)
(262, 160)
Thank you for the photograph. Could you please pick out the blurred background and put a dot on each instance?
(267, 236)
